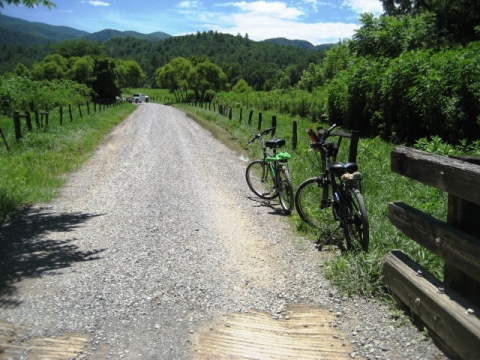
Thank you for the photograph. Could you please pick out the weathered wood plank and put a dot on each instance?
(453, 176)
(447, 242)
(452, 318)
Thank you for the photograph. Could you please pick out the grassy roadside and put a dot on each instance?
(360, 273)
(32, 171)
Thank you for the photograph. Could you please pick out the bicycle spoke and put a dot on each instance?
(260, 180)
(308, 203)
(285, 190)
(356, 222)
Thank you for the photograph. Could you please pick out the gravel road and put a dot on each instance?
(158, 236)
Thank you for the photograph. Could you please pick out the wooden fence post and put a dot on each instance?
(61, 115)
(18, 127)
(70, 112)
(240, 119)
(463, 214)
(230, 113)
(4, 140)
(250, 117)
(352, 156)
(29, 120)
(88, 108)
(259, 121)
(80, 110)
(37, 120)
(274, 122)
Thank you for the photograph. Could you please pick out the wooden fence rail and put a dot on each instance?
(449, 308)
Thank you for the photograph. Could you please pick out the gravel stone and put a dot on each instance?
(157, 235)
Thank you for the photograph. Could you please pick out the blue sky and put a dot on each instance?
(317, 21)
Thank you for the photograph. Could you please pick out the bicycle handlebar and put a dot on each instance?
(327, 132)
(322, 141)
(259, 135)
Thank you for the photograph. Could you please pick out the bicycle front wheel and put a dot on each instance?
(356, 222)
(260, 181)
(285, 190)
(308, 199)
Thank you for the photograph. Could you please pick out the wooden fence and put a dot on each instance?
(228, 112)
(448, 308)
(42, 117)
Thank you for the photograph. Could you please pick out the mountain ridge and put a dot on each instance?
(17, 31)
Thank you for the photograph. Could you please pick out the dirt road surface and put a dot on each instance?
(156, 249)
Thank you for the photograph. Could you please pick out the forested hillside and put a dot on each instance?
(239, 57)
(410, 73)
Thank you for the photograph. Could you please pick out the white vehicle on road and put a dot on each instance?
(139, 97)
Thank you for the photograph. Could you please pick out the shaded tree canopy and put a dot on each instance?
(456, 19)
(28, 3)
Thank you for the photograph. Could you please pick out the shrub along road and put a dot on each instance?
(156, 249)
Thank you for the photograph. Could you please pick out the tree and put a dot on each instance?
(79, 47)
(389, 36)
(241, 87)
(206, 76)
(53, 66)
(29, 3)
(456, 19)
(174, 76)
(130, 73)
(105, 85)
(81, 69)
(21, 70)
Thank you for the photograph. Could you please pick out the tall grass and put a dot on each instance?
(32, 171)
(353, 273)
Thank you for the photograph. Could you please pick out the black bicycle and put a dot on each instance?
(337, 192)
(269, 178)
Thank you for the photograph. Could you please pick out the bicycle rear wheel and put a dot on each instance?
(308, 204)
(356, 226)
(285, 190)
(260, 181)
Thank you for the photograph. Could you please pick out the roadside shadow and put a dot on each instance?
(274, 205)
(26, 251)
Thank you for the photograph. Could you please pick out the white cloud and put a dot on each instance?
(261, 27)
(96, 3)
(189, 4)
(264, 20)
(276, 9)
(363, 6)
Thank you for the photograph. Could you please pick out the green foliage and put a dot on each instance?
(78, 48)
(206, 76)
(130, 73)
(455, 20)
(237, 56)
(241, 87)
(29, 3)
(389, 36)
(181, 75)
(105, 84)
(22, 94)
(175, 76)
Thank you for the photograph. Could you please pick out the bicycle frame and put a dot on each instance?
(329, 178)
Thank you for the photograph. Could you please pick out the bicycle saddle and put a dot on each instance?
(274, 143)
(340, 168)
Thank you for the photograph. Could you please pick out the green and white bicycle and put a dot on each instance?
(269, 178)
